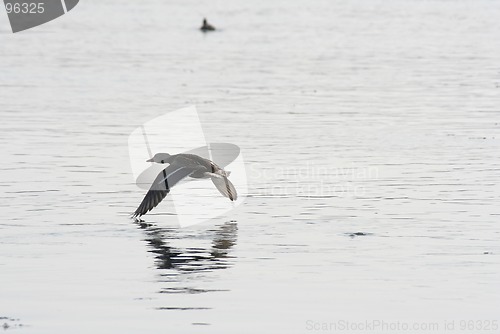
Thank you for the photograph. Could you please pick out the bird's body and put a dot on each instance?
(181, 166)
(207, 26)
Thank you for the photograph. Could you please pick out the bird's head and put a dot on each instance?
(160, 158)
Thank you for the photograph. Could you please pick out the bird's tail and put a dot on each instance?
(225, 187)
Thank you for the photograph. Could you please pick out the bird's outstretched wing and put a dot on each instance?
(161, 186)
(225, 187)
(220, 153)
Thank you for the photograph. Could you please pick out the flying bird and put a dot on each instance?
(181, 166)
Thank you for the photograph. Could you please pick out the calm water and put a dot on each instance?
(377, 117)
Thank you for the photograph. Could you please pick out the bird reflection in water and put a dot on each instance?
(195, 258)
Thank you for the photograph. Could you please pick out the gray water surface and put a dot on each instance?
(371, 137)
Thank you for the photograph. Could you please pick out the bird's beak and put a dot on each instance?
(149, 160)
